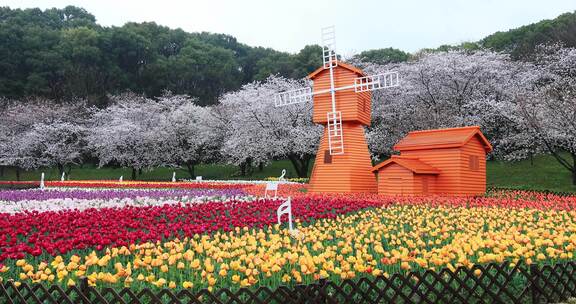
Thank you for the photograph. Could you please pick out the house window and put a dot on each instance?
(473, 162)
(327, 157)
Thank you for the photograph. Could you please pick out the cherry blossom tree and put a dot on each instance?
(184, 132)
(5, 139)
(550, 109)
(144, 133)
(446, 89)
(22, 125)
(57, 144)
(126, 133)
(257, 132)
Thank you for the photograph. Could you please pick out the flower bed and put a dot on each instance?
(58, 199)
(181, 238)
(13, 185)
(86, 194)
(255, 187)
(141, 184)
(371, 242)
(131, 184)
(97, 228)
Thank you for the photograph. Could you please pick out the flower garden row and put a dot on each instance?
(14, 201)
(503, 198)
(234, 241)
(58, 232)
(364, 243)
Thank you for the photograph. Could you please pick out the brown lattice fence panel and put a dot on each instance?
(493, 284)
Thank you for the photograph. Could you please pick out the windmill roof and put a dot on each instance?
(340, 64)
(442, 138)
(411, 163)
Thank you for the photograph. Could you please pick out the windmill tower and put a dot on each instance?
(342, 103)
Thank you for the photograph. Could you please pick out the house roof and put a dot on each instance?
(442, 138)
(340, 64)
(411, 163)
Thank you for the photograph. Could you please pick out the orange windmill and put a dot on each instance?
(342, 103)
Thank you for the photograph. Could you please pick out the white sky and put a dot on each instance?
(409, 25)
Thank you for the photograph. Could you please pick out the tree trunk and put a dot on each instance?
(68, 172)
(134, 173)
(60, 169)
(190, 165)
(17, 174)
(260, 167)
(294, 161)
(249, 167)
(300, 164)
(139, 171)
(563, 161)
(246, 167)
(1, 171)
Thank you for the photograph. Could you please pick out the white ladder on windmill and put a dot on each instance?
(335, 136)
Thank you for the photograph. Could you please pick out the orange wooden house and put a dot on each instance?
(351, 171)
(443, 161)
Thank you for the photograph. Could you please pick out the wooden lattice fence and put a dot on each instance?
(493, 283)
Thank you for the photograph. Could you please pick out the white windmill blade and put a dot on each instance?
(376, 82)
(329, 56)
(293, 97)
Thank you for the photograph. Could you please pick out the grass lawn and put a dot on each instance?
(544, 174)
(212, 171)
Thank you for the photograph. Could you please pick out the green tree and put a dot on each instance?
(85, 67)
(129, 53)
(383, 56)
(200, 70)
(521, 42)
(307, 61)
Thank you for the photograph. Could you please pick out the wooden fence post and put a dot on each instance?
(84, 288)
(4, 292)
(534, 283)
(323, 294)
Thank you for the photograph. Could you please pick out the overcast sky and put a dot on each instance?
(289, 25)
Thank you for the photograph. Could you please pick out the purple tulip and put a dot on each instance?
(35, 194)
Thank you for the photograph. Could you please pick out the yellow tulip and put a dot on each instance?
(160, 282)
(195, 264)
(211, 281)
(26, 268)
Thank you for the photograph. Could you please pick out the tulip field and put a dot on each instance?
(214, 235)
